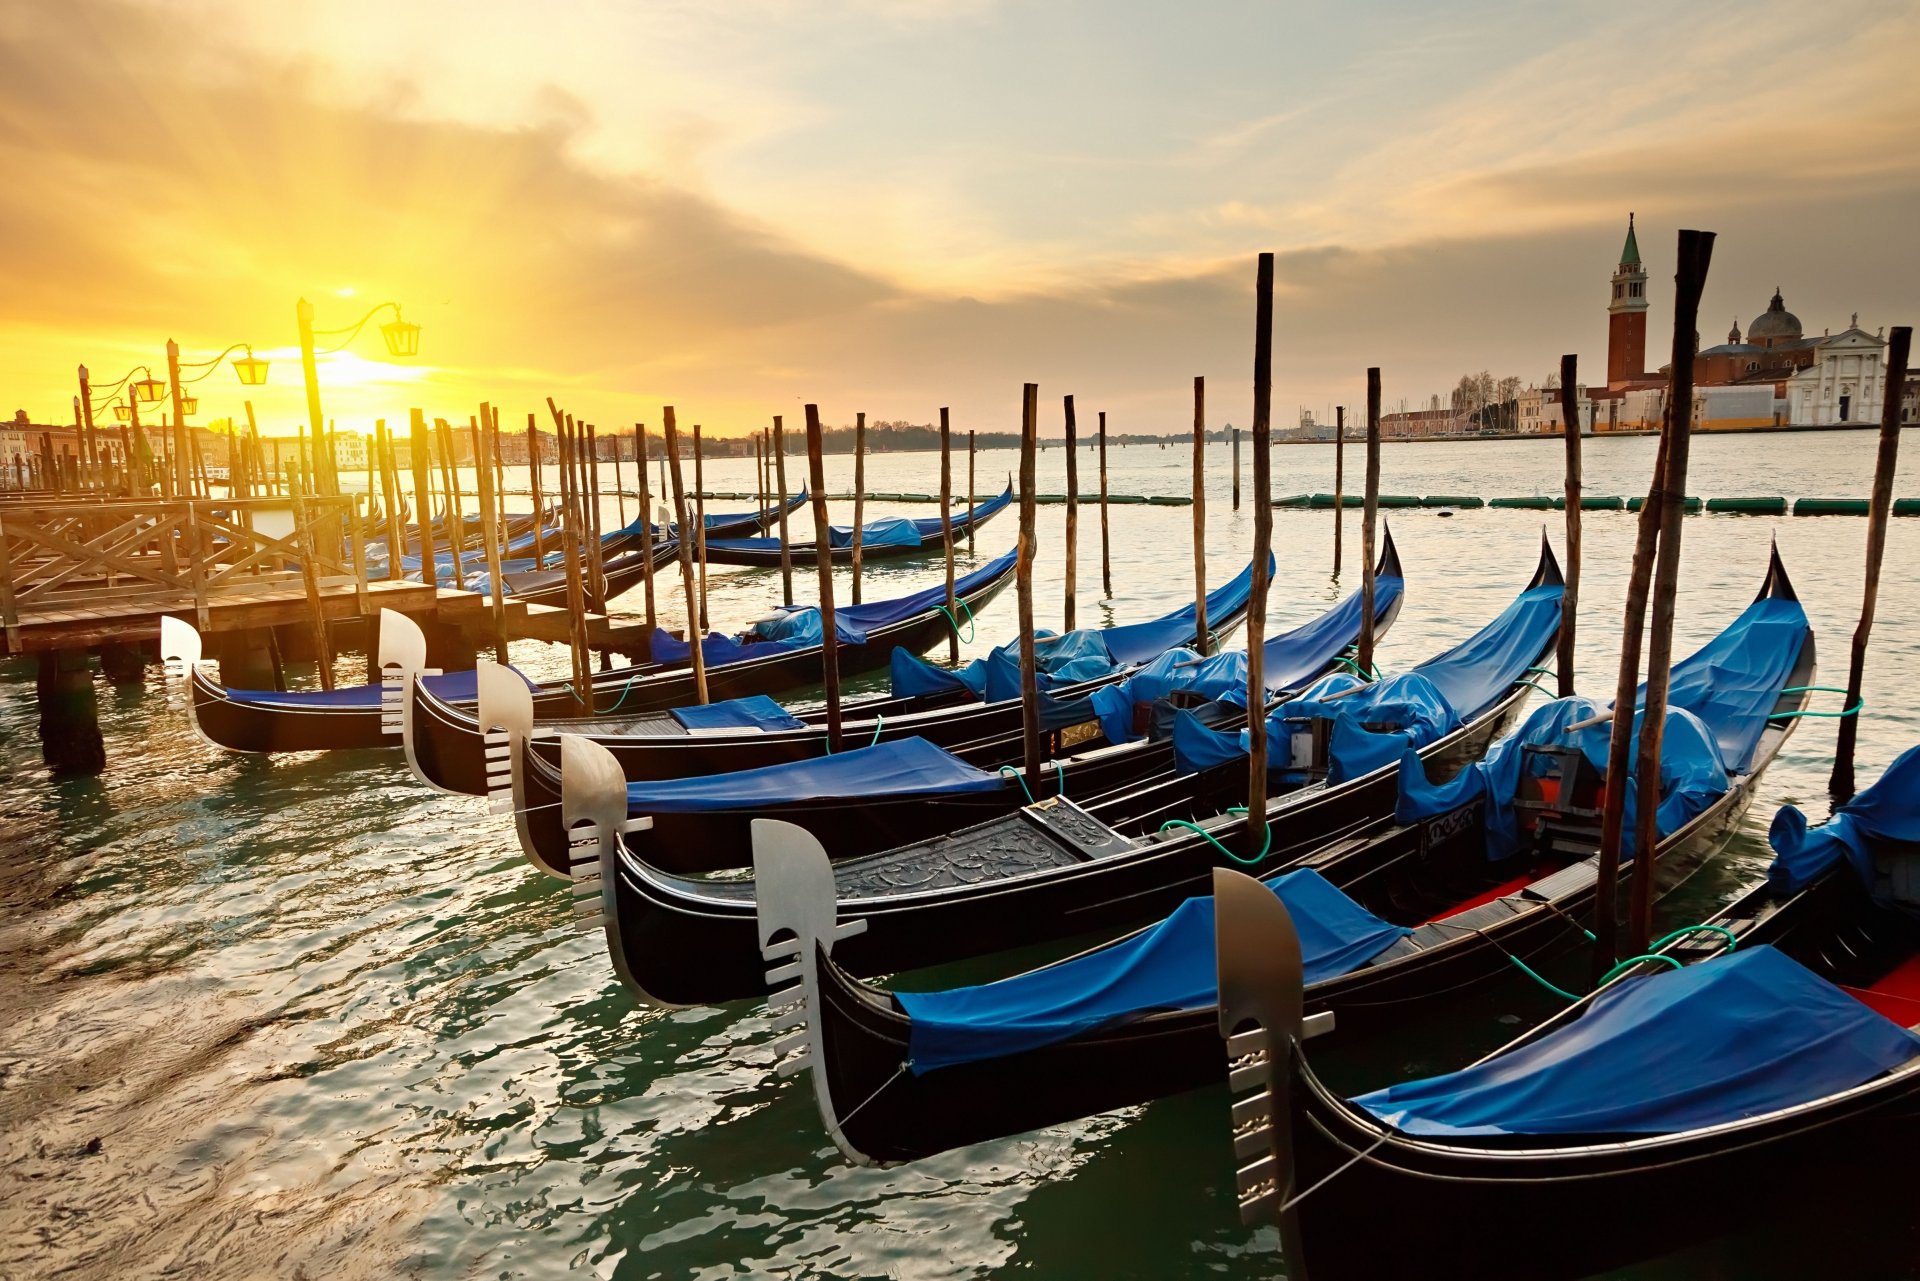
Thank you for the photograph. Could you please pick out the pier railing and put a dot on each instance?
(93, 557)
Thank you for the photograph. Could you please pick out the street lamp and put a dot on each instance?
(402, 339)
(149, 390)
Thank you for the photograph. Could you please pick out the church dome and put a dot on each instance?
(1774, 324)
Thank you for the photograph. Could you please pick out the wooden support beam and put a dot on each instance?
(823, 565)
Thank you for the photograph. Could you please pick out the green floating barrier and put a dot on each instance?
(1531, 503)
(1126, 498)
(1055, 500)
(1597, 503)
(1690, 506)
(1326, 501)
(1830, 507)
(1177, 500)
(1399, 500)
(1294, 500)
(1749, 506)
(918, 498)
(1452, 500)
(1906, 506)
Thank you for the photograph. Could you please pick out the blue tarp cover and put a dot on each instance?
(1222, 678)
(1167, 967)
(1736, 678)
(929, 526)
(1746, 1033)
(910, 766)
(1476, 674)
(1691, 775)
(715, 650)
(1293, 658)
(1887, 811)
(894, 531)
(1133, 643)
(454, 687)
(755, 712)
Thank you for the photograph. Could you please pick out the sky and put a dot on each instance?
(891, 206)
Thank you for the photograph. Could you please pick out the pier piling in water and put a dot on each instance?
(1106, 546)
(1023, 585)
(1073, 516)
(1339, 480)
(1570, 600)
(1369, 513)
(780, 484)
(1200, 515)
(1256, 829)
(823, 565)
(946, 535)
(695, 633)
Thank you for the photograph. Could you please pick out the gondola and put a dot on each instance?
(1395, 916)
(364, 716)
(908, 788)
(950, 709)
(880, 540)
(1063, 866)
(1759, 1057)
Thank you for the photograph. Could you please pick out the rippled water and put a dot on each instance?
(301, 1017)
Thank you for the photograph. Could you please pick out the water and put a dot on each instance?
(302, 1017)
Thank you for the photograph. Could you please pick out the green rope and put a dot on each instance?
(1353, 666)
(1733, 940)
(1265, 845)
(1542, 671)
(1855, 710)
(1632, 961)
(1534, 974)
(1537, 685)
(971, 630)
(1019, 778)
(878, 722)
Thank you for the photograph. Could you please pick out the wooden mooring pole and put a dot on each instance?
(570, 556)
(973, 491)
(646, 518)
(1023, 584)
(1339, 481)
(1256, 835)
(1369, 512)
(823, 566)
(946, 535)
(780, 479)
(1690, 280)
(700, 520)
(1200, 516)
(490, 527)
(1570, 601)
(688, 585)
(1073, 516)
(420, 449)
(1236, 469)
(1106, 546)
(859, 497)
(1899, 351)
(533, 488)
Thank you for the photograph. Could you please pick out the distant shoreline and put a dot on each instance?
(1597, 435)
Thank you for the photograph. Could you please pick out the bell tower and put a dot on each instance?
(1627, 316)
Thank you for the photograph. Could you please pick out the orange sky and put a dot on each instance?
(891, 205)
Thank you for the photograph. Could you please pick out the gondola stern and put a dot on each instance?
(593, 792)
(1548, 574)
(1388, 565)
(797, 908)
(1262, 1008)
(1776, 585)
(181, 652)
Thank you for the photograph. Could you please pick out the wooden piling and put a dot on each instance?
(780, 483)
(946, 535)
(1073, 515)
(1023, 582)
(596, 535)
(390, 499)
(671, 437)
(490, 527)
(1369, 514)
(310, 581)
(823, 565)
(973, 491)
(619, 486)
(1256, 837)
(533, 489)
(1339, 480)
(700, 519)
(1899, 351)
(421, 448)
(646, 518)
(1106, 546)
(1690, 279)
(455, 504)
(1570, 600)
(1200, 635)
(570, 555)
(859, 497)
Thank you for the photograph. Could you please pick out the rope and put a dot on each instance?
(1855, 710)
(1344, 1166)
(617, 703)
(1257, 859)
(972, 631)
(897, 1074)
(878, 722)
(1632, 961)
(1021, 778)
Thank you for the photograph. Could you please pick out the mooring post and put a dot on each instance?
(420, 449)
(859, 497)
(1200, 636)
(646, 522)
(1899, 351)
(533, 489)
(1256, 835)
(1023, 583)
(1236, 469)
(946, 535)
(786, 544)
(1369, 513)
(570, 552)
(1339, 481)
(490, 528)
(70, 741)
(823, 566)
(688, 583)
(700, 520)
(1106, 547)
(973, 492)
(1570, 600)
(1695, 253)
(1073, 515)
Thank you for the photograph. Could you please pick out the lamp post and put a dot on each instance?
(402, 339)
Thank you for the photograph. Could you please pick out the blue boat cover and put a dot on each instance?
(929, 526)
(1746, 1033)
(1133, 643)
(1736, 678)
(1221, 678)
(894, 531)
(1887, 811)
(1169, 966)
(1476, 674)
(908, 767)
(754, 712)
(454, 687)
(1691, 774)
(715, 650)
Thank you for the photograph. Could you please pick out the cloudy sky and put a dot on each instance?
(893, 205)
